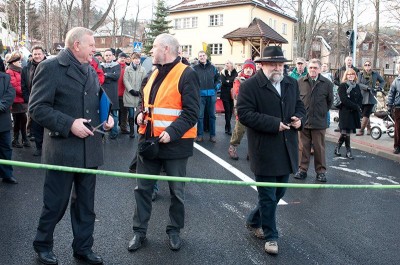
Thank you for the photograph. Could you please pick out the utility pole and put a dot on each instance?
(355, 32)
(27, 44)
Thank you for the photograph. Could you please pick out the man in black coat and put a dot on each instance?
(269, 105)
(112, 72)
(66, 103)
(26, 84)
(7, 95)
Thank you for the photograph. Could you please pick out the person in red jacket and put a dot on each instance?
(20, 105)
(96, 66)
(123, 112)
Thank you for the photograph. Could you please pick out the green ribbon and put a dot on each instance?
(195, 180)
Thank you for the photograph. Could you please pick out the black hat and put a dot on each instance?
(149, 149)
(272, 54)
(97, 54)
(122, 55)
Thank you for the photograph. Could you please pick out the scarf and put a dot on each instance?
(14, 68)
(109, 65)
(351, 85)
(31, 73)
(82, 67)
(368, 78)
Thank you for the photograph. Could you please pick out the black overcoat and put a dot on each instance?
(261, 109)
(350, 110)
(112, 72)
(57, 99)
(7, 95)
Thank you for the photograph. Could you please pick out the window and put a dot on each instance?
(284, 28)
(216, 20)
(185, 23)
(103, 40)
(215, 48)
(274, 26)
(365, 46)
(186, 50)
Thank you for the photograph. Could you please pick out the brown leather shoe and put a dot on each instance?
(199, 139)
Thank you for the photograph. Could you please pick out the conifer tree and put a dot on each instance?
(159, 24)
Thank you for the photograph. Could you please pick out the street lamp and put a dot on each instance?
(394, 66)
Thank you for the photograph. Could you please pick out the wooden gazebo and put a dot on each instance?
(258, 34)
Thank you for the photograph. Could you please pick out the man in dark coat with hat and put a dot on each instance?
(269, 105)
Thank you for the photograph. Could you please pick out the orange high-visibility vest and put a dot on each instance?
(168, 102)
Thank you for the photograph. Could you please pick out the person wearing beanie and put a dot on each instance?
(20, 105)
(228, 75)
(248, 70)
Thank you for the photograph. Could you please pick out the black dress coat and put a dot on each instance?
(350, 110)
(261, 109)
(56, 101)
(227, 83)
(7, 95)
(112, 72)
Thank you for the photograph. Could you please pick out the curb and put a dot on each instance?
(365, 146)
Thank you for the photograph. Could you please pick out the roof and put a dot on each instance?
(191, 5)
(257, 28)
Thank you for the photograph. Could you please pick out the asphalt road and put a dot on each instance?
(317, 226)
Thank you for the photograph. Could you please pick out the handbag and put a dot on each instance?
(337, 103)
(149, 148)
(19, 108)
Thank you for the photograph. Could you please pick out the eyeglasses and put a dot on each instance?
(350, 74)
(313, 67)
(367, 65)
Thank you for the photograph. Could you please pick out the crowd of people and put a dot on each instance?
(173, 105)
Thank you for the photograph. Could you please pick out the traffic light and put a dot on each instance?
(350, 36)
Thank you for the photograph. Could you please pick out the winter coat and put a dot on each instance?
(112, 72)
(56, 101)
(317, 101)
(367, 91)
(16, 84)
(7, 95)
(121, 86)
(393, 98)
(188, 87)
(209, 78)
(227, 79)
(261, 109)
(350, 110)
(133, 81)
(296, 75)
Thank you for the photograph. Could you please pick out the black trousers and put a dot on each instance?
(144, 189)
(228, 109)
(56, 194)
(37, 132)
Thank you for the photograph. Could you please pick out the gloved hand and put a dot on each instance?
(3, 108)
(390, 108)
(134, 93)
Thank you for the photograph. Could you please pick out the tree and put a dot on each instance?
(158, 25)
(376, 33)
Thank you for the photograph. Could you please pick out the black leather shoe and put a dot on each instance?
(175, 242)
(11, 180)
(136, 242)
(321, 177)
(300, 175)
(90, 258)
(47, 257)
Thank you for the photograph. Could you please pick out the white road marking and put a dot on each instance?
(230, 168)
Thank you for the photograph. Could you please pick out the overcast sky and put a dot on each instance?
(146, 10)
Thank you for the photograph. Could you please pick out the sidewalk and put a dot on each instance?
(382, 147)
